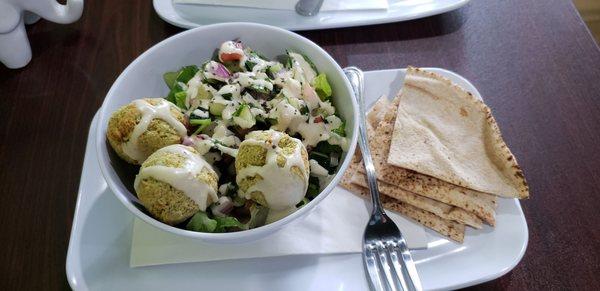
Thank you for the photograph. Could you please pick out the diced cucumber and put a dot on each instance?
(203, 92)
(273, 70)
(233, 67)
(216, 108)
(243, 117)
(259, 89)
(215, 82)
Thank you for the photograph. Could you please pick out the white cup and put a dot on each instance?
(15, 51)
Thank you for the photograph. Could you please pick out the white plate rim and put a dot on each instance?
(166, 11)
(75, 276)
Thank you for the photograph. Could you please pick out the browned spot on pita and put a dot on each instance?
(464, 112)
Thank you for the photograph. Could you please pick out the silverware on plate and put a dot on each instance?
(308, 7)
(386, 257)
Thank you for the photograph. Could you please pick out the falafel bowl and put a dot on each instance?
(239, 141)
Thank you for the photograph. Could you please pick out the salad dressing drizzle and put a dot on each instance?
(150, 112)
(280, 188)
(184, 178)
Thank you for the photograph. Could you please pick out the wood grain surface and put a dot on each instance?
(534, 62)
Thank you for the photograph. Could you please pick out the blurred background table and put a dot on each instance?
(534, 62)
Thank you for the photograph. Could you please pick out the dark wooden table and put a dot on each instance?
(534, 62)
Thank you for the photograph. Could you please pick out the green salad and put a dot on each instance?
(263, 139)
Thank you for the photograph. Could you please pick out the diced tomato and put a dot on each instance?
(225, 57)
(318, 119)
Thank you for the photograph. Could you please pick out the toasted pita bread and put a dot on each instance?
(481, 204)
(440, 209)
(443, 131)
(445, 227)
(377, 112)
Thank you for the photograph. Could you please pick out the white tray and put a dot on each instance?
(399, 10)
(98, 255)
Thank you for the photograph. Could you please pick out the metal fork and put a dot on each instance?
(385, 254)
(308, 7)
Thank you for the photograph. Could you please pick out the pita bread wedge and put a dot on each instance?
(440, 209)
(481, 204)
(443, 131)
(377, 112)
(445, 227)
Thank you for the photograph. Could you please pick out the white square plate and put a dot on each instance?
(98, 254)
(190, 16)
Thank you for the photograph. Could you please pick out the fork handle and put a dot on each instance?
(356, 78)
(409, 279)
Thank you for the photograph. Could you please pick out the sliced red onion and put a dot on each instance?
(188, 141)
(223, 206)
(221, 71)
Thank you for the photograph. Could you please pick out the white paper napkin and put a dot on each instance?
(328, 5)
(334, 227)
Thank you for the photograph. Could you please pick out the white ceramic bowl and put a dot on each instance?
(143, 78)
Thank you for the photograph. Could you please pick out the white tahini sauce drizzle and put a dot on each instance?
(317, 170)
(280, 188)
(184, 178)
(162, 111)
(247, 79)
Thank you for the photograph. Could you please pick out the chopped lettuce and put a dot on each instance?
(313, 187)
(182, 76)
(180, 99)
(341, 130)
(327, 148)
(170, 78)
(322, 87)
(223, 223)
(258, 216)
(302, 203)
(202, 223)
(250, 65)
(201, 123)
(323, 154)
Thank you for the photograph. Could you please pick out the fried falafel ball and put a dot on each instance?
(143, 126)
(175, 182)
(272, 169)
